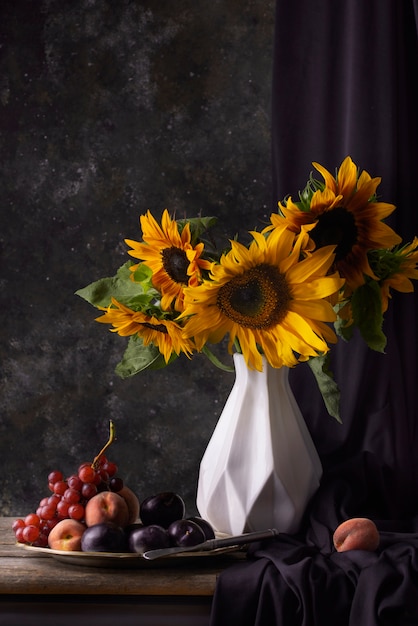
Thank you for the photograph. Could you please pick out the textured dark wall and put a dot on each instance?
(109, 108)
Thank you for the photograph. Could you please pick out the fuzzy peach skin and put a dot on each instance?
(66, 535)
(132, 501)
(357, 533)
(106, 506)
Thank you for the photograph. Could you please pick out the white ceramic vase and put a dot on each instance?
(260, 468)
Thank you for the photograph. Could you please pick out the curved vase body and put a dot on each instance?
(260, 468)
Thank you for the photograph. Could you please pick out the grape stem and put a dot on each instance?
(112, 437)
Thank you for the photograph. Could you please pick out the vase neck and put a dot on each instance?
(268, 372)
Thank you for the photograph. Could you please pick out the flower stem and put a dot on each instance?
(112, 437)
(237, 346)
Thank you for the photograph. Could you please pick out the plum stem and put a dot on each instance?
(112, 437)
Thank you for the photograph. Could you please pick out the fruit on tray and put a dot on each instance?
(92, 510)
(104, 537)
(143, 538)
(204, 525)
(162, 509)
(185, 532)
(132, 501)
(106, 506)
(66, 535)
(107, 536)
(357, 533)
(69, 497)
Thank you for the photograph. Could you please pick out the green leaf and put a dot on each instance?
(343, 331)
(213, 359)
(366, 305)
(198, 225)
(138, 358)
(142, 302)
(143, 274)
(120, 286)
(327, 385)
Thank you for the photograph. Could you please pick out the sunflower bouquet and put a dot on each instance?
(324, 265)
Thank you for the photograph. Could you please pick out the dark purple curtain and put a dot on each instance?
(344, 83)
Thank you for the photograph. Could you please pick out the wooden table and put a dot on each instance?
(36, 588)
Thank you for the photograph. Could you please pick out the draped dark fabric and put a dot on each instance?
(344, 83)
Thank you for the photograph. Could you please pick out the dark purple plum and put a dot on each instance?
(162, 509)
(115, 484)
(185, 532)
(150, 537)
(104, 537)
(204, 525)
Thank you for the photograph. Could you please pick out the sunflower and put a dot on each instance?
(406, 262)
(163, 333)
(267, 300)
(346, 214)
(174, 261)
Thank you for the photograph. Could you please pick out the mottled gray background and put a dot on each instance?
(109, 108)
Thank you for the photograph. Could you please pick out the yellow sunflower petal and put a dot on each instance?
(253, 300)
(174, 262)
(304, 331)
(314, 309)
(322, 287)
(347, 177)
(385, 236)
(317, 263)
(166, 335)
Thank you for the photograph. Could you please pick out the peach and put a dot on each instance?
(132, 501)
(106, 506)
(66, 535)
(357, 533)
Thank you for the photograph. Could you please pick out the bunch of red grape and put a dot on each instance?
(68, 499)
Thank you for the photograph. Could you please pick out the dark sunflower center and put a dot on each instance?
(258, 298)
(336, 227)
(175, 264)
